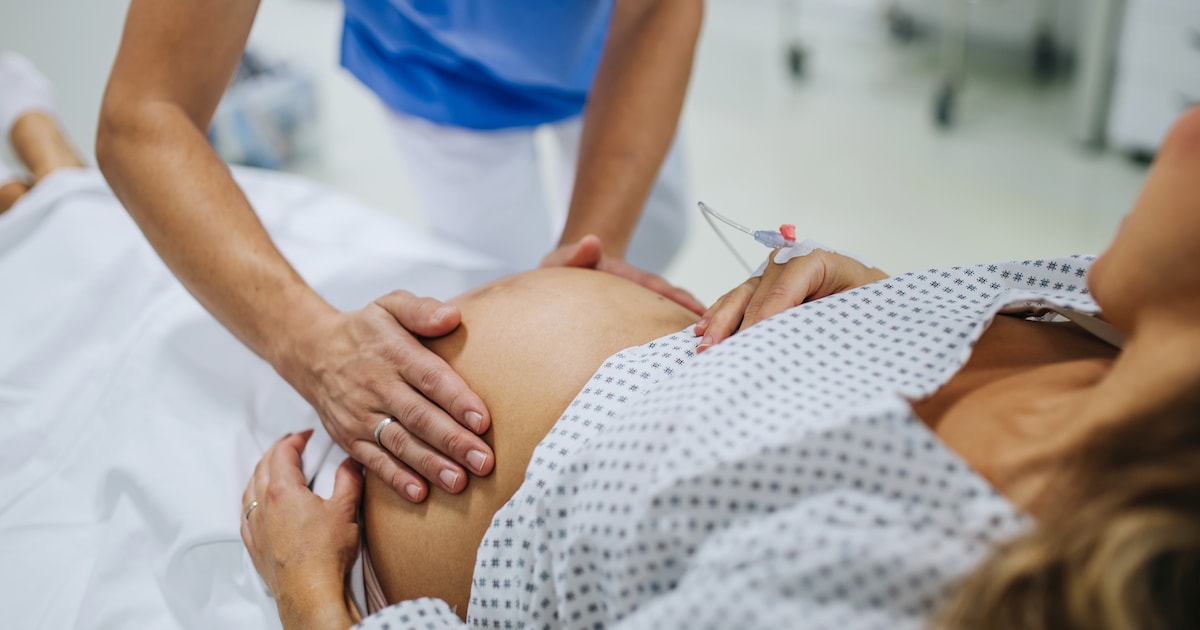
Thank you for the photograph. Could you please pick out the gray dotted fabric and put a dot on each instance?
(417, 614)
(778, 480)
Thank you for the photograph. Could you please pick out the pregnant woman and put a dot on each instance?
(1008, 445)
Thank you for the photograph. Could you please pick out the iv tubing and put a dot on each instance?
(709, 214)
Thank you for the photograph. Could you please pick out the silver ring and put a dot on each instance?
(379, 430)
(249, 509)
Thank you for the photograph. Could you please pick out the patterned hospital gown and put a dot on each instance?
(780, 480)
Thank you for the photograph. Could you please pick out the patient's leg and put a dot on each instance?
(27, 118)
(526, 346)
(42, 145)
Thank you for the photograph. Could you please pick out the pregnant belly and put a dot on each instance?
(526, 346)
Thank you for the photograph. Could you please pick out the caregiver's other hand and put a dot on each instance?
(360, 367)
(801, 279)
(302, 545)
(588, 253)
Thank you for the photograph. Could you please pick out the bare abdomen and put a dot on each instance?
(527, 345)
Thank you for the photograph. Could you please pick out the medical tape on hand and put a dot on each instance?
(805, 248)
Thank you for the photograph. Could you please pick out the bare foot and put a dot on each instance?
(10, 192)
(12, 186)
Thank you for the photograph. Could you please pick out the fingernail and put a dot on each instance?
(449, 478)
(705, 342)
(443, 313)
(477, 459)
(474, 420)
(414, 491)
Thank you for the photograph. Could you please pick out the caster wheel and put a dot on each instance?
(943, 105)
(901, 25)
(797, 61)
(1046, 57)
(1141, 157)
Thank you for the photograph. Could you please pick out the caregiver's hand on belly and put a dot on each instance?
(302, 545)
(782, 286)
(589, 254)
(356, 368)
(361, 367)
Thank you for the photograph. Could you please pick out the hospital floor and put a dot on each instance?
(848, 153)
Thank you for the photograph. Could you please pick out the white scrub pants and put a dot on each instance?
(502, 193)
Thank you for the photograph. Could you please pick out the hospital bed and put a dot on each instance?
(131, 419)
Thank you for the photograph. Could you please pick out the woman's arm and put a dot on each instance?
(174, 63)
(355, 368)
(302, 545)
(631, 118)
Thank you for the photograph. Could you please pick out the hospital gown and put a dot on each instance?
(779, 480)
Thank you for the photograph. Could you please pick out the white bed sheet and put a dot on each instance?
(130, 419)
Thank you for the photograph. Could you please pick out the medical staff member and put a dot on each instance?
(452, 70)
(466, 83)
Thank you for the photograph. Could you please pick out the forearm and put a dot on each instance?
(195, 216)
(172, 67)
(314, 609)
(631, 117)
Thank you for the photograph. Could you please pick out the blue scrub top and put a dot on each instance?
(480, 64)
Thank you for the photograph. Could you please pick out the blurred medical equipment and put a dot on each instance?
(1046, 56)
(1157, 72)
(783, 239)
(907, 20)
(785, 236)
(267, 115)
(1093, 77)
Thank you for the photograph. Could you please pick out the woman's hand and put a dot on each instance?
(782, 286)
(355, 368)
(588, 253)
(361, 367)
(302, 545)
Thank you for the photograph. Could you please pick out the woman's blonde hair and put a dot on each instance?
(1120, 550)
